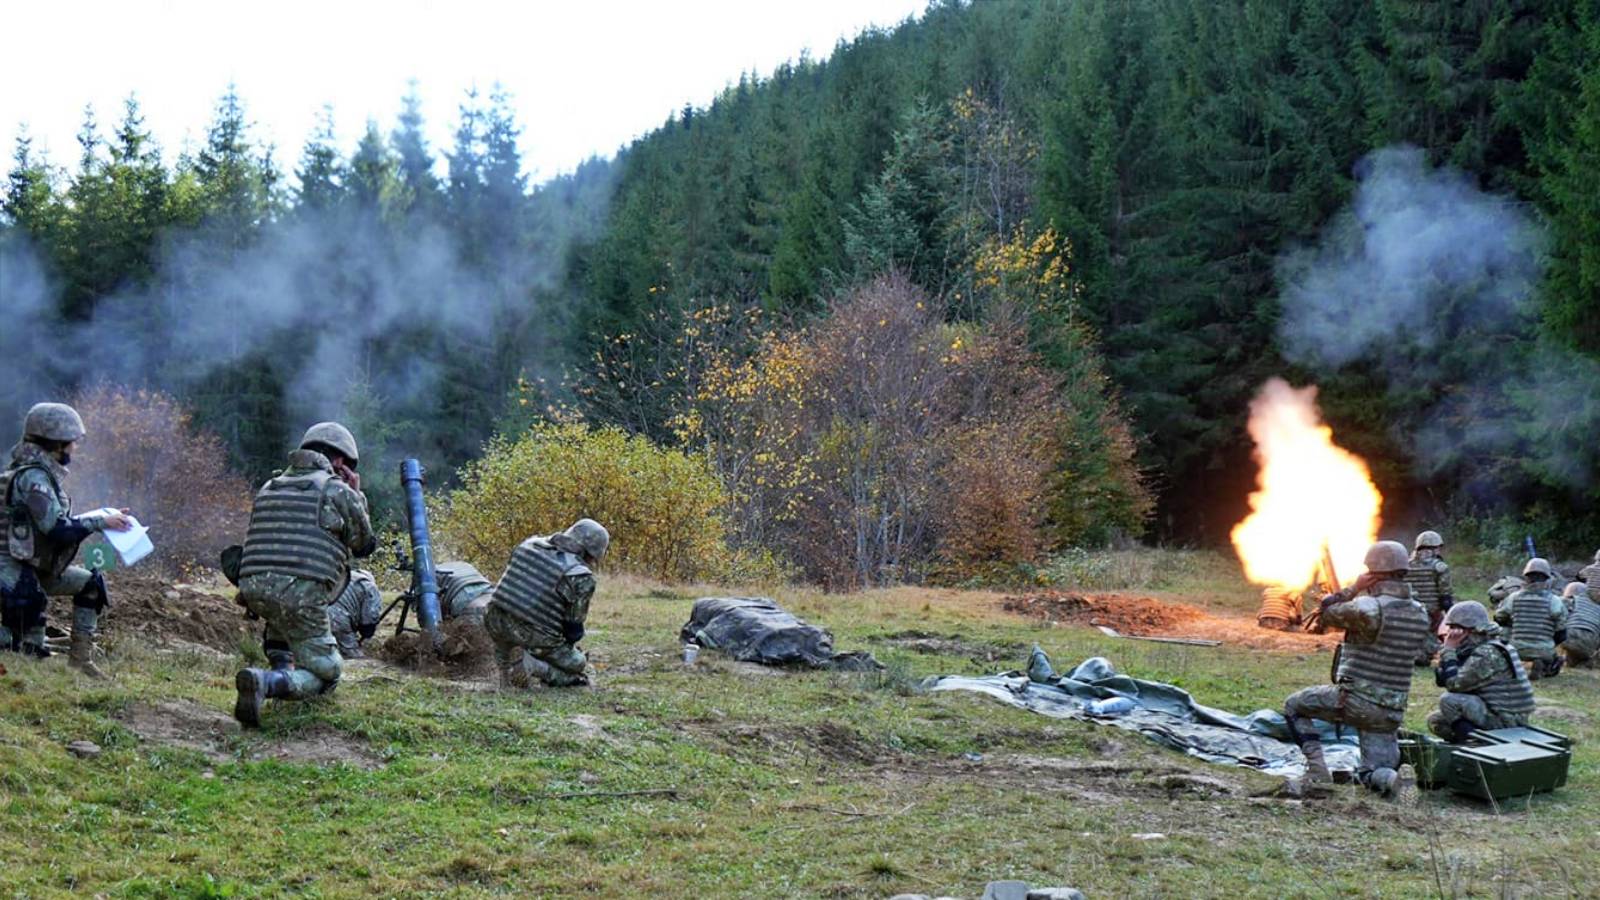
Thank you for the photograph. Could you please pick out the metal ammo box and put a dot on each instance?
(1429, 756)
(1512, 762)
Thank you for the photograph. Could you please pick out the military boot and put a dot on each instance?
(1317, 777)
(256, 687)
(80, 655)
(279, 657)
(513, 674)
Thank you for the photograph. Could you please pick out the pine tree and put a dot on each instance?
(322, 172)
(416, 161)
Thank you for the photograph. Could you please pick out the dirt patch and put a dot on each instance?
(214, 734)
(829, 741)
(158, 612)
(465, 650)
(1148, 617)
(949, 645)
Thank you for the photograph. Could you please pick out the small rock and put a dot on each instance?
(588, 778)
(1148, 836)
(208, 775)
(909, 897)
(84, 749)
(972, 757)
(1056, 893)
(1006, 890)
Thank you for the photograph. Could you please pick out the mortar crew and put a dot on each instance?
(1538, 620)
(1590, 574)
(1429, 580)
(42, 537)
(1484, 681)
(535, 616)
(1384, 631)
(1583, 624)
(353, 615)
(1280, 608)
(305, 524)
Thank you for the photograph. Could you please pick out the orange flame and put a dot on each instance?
(1311, 493)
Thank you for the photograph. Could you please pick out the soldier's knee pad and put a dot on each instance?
(93, 594)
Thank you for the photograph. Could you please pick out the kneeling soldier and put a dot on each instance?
(1583, 623)
(535, 615)
(1485, 685)
(1385, 630)
(304, 526)
(1538, 621)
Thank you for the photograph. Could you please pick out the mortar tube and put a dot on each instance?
(422, 574)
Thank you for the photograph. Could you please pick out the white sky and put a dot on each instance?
(586, 76)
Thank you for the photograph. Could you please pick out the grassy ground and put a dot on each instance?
(750, 784)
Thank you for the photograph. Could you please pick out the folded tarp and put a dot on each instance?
(755, 629)
(1161, 712)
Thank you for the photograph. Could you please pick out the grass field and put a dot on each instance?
(726, 780)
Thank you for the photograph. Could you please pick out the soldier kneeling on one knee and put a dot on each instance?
(1537, 618)
(1483, 677)
(1583, 623)
(535, 615)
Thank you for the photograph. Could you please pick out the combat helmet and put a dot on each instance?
(331, 434)
(1471, 615)
(1537, 567)
(588, 537)
(1429, 540)
(1575, 589)
(53, 422)
(1387, 556)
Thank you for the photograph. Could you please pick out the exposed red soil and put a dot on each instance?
(1149, 617)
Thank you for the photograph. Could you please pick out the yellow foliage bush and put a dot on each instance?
(662, 506)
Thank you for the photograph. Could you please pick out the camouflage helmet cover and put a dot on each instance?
(1537, 566)
(1429, 539)
(53, 422)
(591, 536)
(1471, 615)
(1576, 589)
(1387, 556)
(332, 434)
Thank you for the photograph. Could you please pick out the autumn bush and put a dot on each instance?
(143, 452)
(662, 506)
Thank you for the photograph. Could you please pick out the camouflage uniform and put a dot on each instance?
(1590, 574)
(1485, 687)
(1583, 626)
(463, 591)
(353, 615)
(1280, 609)
(1538, 621)
(42, 537)
(539, 607)
(1384, 631)
(1429, 580)
(304, 526)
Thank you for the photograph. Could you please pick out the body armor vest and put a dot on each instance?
(460, 585)
(1423, 578)
(1531, 624)
(1510, 693)
(1585, 616)
(1590, 575)
(528, 592)
(23, 542)
(286, 536)
(1381, 671)
(1279, 603)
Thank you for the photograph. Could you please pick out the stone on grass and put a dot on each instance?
(909, 897)
(84, 749)
(1056, 893)
(1006, 890)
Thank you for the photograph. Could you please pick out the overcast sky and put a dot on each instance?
(587, 76)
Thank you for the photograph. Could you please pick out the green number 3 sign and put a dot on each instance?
(100, 556)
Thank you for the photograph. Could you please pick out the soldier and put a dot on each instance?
(463, 591)
(1280, 609)
(353, 615)
(1504, 587)
(1429, 580)
(1384, 631)
(1485, 685)
(535, 616)
(1583, 624)
(42, 537)
(1590, 574)
(305, 524)
(1537, 619)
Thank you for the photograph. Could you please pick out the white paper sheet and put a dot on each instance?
(131, 545)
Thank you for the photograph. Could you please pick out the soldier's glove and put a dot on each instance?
(1445, 602)
(572, 631)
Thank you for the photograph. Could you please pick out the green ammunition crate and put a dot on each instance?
(1506, 771)
(1429, 756)
(1526, 734)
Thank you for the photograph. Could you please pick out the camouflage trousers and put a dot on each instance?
(556, 662)
(296, 613)
(1376, 725)
(1454, 707)
(72, 580)
(1581, 645)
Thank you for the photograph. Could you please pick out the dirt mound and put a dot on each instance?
(466, 650)
(161, 612)
(213, 733)
(1126, 614)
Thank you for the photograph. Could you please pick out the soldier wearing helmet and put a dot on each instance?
(42, 537)
(1429, 579)
(1384, 631)
(305, 525)
(535, 615)
(1483, 677)
(1537, 619)
(1590, 574)
(1583, 624)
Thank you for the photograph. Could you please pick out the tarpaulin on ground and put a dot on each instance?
(1161, 712)
(755, 629)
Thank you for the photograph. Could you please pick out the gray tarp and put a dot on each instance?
(755, 629)
(1162, 713)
